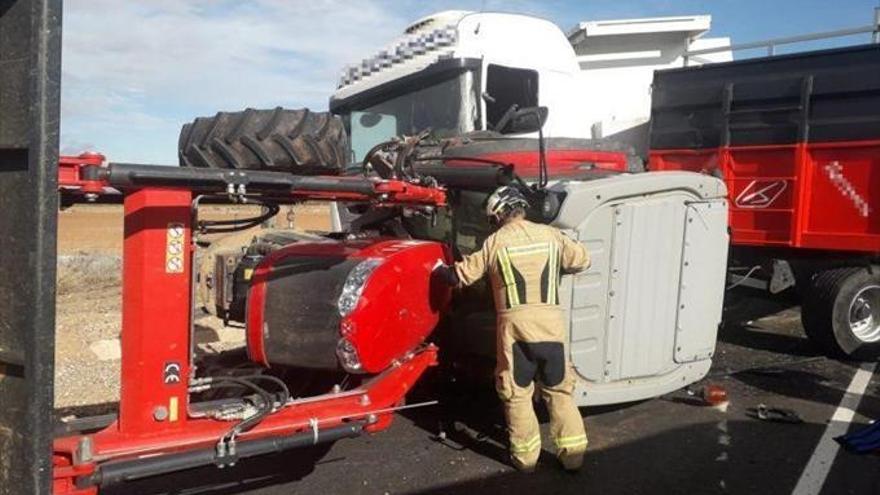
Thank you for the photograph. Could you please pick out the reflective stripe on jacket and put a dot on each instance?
(524, 261)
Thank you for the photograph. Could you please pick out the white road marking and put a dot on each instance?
(819, 465)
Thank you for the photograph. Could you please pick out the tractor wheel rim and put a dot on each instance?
(864, 315)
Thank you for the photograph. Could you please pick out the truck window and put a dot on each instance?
(508, 86)
(449, 106)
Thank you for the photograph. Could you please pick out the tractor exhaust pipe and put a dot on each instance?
(128, 470)
(468, 177)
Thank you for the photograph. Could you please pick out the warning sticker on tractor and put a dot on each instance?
(171, 373)
(174, 248)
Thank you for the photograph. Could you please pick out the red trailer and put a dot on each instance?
(797, 140)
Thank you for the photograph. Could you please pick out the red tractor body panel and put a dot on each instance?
(561, 163)
(566, 157)
(397, 305)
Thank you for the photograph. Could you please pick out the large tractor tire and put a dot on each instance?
(297, 141)
(841, 312)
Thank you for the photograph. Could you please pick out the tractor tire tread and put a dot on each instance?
(297, 141)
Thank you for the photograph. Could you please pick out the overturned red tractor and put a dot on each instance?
(359, 304)
(363, 306)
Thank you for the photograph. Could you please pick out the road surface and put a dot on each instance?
(666, 445)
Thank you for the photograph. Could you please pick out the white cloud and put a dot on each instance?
(135, 71)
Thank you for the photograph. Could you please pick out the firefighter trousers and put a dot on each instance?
(524, 364)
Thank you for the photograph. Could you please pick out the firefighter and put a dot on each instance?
(524, 261)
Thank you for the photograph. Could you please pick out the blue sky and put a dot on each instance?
(135, 71)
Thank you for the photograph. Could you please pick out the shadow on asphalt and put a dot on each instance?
(743, 306)
(732, 456)
(472, 419)
(248, 474)
(707, 458)
(805, 385)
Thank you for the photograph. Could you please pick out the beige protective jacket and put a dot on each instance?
(524, 261)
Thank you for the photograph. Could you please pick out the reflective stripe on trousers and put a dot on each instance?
(571, 442)
(527, 446)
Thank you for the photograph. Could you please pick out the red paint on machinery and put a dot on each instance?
(396, 307)
(812, 196)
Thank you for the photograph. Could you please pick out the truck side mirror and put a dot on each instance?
(526, 120)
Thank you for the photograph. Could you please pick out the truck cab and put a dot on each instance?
(458, 72)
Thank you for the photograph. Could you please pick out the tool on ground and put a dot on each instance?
(775, 414)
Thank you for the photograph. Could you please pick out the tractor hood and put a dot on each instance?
(356, 305)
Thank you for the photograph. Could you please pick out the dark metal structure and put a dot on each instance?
(30, 72)
(817, 97)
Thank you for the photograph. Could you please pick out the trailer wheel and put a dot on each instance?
(841, 312)
(298, 141)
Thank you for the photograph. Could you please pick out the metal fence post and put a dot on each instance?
(30, 72)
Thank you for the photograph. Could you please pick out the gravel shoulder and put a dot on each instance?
(89, 302)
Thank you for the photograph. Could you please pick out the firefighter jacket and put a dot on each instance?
(524, 261)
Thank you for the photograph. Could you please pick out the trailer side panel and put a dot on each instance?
(796, 138)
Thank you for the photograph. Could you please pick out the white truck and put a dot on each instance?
(460, 71)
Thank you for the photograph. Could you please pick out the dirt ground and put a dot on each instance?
(87, 349)
(97, 229)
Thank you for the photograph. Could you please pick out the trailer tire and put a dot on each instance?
(841, 312)
(298, 141)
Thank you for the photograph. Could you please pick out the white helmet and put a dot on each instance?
(504, 200)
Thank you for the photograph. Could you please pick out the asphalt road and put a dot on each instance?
(666, 445)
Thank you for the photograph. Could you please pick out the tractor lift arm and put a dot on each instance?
(277, 186)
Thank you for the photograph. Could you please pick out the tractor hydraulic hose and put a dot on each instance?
(248, 423)
(235, 225)
(283, 386)
(404, 157)
(118, 471)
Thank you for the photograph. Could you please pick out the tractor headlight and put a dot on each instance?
(348, 356)
(354, 285)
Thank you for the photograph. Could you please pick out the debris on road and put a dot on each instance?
(713, 395)
(775, 414)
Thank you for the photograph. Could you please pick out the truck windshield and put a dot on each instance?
(448, 107)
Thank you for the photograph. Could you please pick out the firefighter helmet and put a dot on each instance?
(504, 200)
